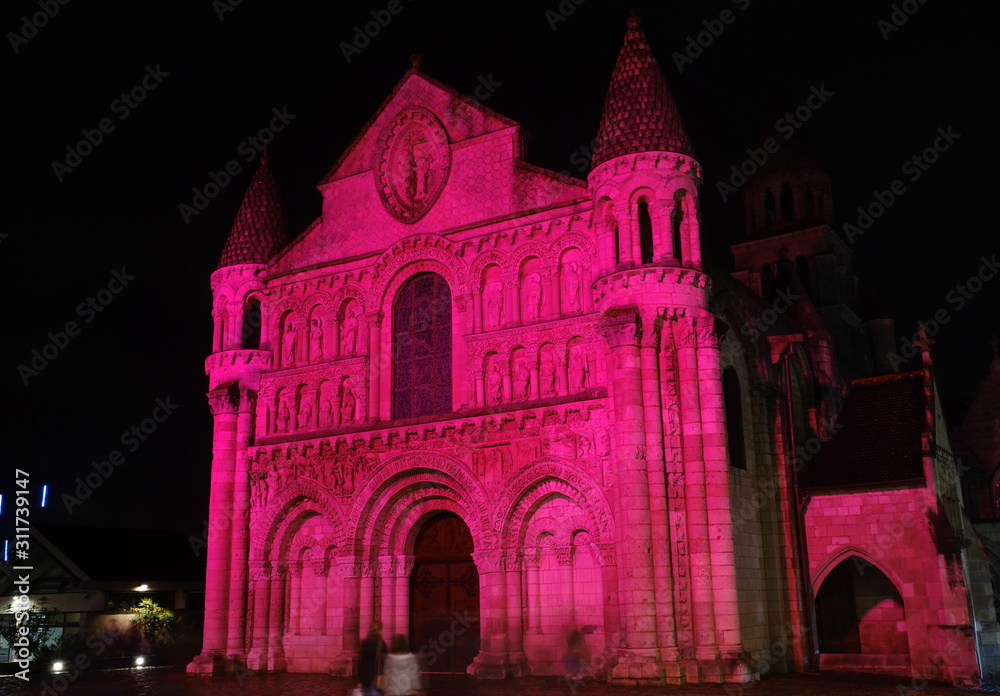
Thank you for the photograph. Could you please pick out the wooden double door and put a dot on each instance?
(444, 596)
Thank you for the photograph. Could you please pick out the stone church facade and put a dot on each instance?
(487, 404)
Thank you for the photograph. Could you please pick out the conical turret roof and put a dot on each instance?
(639, 112)
(259, 230)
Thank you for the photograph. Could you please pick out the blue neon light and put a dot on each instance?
(5, 542)
(45, 489)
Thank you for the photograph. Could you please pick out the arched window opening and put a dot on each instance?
(733, 404)
(766, 281)
(787, 204)
(769, 209)
(645, 233)
(421, 347)
(676, 218)
(251, 325)
(618, 245)
(802, 271)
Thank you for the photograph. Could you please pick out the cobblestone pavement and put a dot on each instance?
(173, 682)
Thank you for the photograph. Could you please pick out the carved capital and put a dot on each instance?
(489, 561)
(386, 566)
(260, 571)
(225, 400)
(349, 566)
(564, 554)
(606, 553)
(374, 318)
(404, 566)
(622, 326)
(320, 566)
(685, 333)
(710, 331)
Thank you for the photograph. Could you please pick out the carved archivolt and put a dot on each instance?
(526, 251)
(485, 259)
(572, 240)
(416, 254)
(285, 513)
(348, 292)
(372, 497)
(533, 483)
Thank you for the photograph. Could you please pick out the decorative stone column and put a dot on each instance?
(260, 576)
(275, 640)
(551, 306)
(366, 604)
(491, 662)
(533, 377)
(387, 591)
(295, 597)
(703, 610)
(639, 659)
(586, 289)
(318, 598)
(404, 569)
(240, 544)
(225, 411)
(477, 310)
(720, 522)
(612, 611)
(660, 522)
(218, 329)
(564, 557)
(349, 568)
(512, 300)
(532, 561)
(516, 659)
(374, 320)
(508, 390)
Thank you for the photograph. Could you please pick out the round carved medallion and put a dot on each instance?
(413, 164)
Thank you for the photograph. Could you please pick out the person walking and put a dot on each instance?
(402, 671)
(371, 661)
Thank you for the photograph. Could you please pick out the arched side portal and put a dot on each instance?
(860, 612)
(444, 595)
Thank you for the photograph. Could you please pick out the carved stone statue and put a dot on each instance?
(284, 416)
(288, 345)
(316, 340)
(494, 385)
(579, 369)
(533, 296)
(547, 380)
(347, 407)
(494, 304)
(349, 334)
(522, 379)
(571, 286)
(326, 410)
(305, 413)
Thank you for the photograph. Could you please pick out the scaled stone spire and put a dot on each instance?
(259, 230)
(639, 112)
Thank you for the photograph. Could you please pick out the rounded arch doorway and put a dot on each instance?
(444, 596)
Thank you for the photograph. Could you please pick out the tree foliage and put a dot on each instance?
(153, 622)
(38, 619)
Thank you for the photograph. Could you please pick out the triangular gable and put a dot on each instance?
(430, 160)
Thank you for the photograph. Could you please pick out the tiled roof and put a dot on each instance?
(259, 231)
(639, 111)
(877, 437)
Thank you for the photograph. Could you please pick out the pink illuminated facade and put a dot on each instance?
(487, 404)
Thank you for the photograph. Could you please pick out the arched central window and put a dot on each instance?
(421, 347)
(733, 404)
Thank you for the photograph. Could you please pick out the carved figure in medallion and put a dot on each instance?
(316, 340)
(522, 379)
(533, 296)
(349, 336)
(494, 304)
(288, 345)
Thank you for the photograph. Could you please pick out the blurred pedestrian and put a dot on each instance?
(371, 662)
(402, 671)
(573, 661)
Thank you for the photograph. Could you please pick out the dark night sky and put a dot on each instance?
(119, 207)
